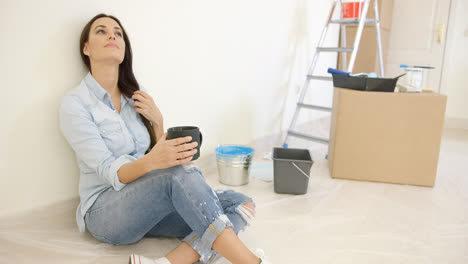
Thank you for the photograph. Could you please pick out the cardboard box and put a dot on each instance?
(386, 137)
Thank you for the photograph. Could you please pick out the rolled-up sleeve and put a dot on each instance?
(82, 133)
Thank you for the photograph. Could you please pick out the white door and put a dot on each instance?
(417, 37)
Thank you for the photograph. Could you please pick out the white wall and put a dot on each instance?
(455, 73)
(225, 66)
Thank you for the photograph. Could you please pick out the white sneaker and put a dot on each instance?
(137, 259)
(261, 254)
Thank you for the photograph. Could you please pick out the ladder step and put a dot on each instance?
(315, 107)
(316, 77)
(343, 23)
(333, 49)
(304, 136)
(352, 21)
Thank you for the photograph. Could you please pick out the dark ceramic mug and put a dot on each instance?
(183, 131)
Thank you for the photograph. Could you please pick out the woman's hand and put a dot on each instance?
(169, 153)
(144, 104)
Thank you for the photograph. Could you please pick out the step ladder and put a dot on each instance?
(343, 50)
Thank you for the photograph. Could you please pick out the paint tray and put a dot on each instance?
(363, 83)
(291, 169)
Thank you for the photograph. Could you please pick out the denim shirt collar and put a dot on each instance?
(100, 92)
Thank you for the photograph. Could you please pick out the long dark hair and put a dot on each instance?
(127, 82)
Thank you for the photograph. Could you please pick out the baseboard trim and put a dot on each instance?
(451, 122)
(63, 204)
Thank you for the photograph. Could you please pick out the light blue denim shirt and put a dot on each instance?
(103, 139)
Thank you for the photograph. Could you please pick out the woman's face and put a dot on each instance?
(105, 41)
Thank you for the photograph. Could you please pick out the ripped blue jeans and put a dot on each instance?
(173, 202)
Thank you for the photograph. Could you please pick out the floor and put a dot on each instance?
(337, 221)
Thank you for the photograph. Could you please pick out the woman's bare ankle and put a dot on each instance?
(233, 249)
(183, 254)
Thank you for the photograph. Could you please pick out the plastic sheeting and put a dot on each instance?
(337, 221)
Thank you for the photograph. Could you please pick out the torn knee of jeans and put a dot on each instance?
(247, 213)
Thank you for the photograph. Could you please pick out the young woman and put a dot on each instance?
(133, 181)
